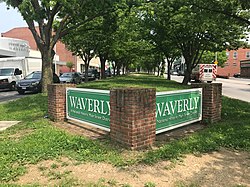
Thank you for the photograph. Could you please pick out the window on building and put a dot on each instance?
(234, 63)
(235, 55)
(227, 64)
(248, 54)
(227, 53)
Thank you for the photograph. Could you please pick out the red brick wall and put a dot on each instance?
(132, 111)
(211, 101)
(25, 34)
(232, 65)
(57, 101)
(132, 117)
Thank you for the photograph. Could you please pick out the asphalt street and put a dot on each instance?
(7, 95)
(237, 88)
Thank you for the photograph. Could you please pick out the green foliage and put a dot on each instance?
(208, 57)
(183, 26)
(129, 46)
(70, 65)
(149, 184)
(55, 20)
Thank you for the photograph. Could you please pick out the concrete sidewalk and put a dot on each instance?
(6, 124)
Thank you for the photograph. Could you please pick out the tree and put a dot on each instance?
(194, 31)
(236, 9)
(70, 65)
(209, 57)
(160, 35)
(130, 47)
(104, 37)
(82, 43)
(56, 19)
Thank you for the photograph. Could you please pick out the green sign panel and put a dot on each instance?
(175, 109)
(90, 106)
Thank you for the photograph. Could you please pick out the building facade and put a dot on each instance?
(232, 65)
(62, 54)
(10, 47)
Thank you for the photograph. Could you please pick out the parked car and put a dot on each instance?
(174, 73)
(33, 82)
(71, 77)
(92, 74)
(181, 73)
(237, 75)
(107, 73)
(81, 75)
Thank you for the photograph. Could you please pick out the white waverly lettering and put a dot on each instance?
(90, 105)
(176, 106)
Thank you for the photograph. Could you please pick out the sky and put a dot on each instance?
(10, 18)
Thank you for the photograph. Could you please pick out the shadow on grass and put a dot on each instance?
(142, 81)
(25, 109)
(233, 132)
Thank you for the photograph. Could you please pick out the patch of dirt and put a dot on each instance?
(74, 127)
(222, 168)
(20, 134)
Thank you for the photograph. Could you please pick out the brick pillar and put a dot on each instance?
(132, 117)
(57, 101)
(211, 101)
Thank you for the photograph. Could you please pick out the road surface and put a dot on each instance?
(6, 95)
(237, 88)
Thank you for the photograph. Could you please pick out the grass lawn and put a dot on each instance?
(37, 139)
(136, 80)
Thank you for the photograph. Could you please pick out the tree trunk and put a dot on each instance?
(118, 70)
(169, 66)
(102, 60)
(47, 73)
(114, 68)
(118, 67)
(158, 70)
(187, 74)
(123, 70)
(86, 67)
(162, 68)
